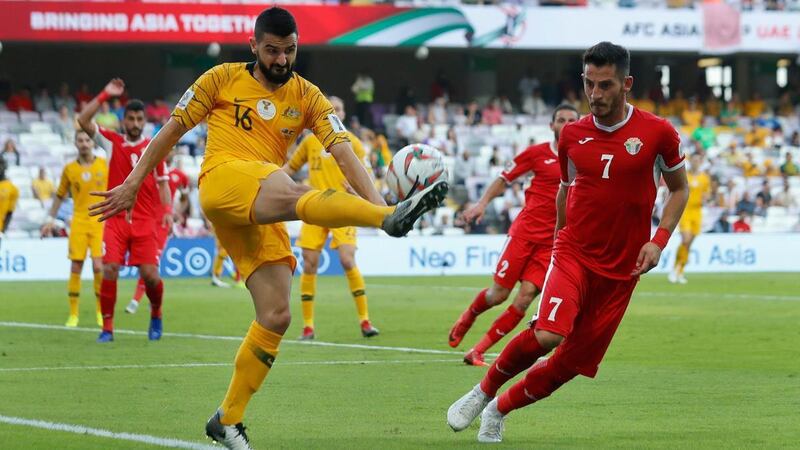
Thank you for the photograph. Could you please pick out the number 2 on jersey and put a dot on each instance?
(608, 158)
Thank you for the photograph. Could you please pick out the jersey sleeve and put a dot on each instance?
(112, 136)
(520, 165)
(300, 155)
(670, 154)
(321, 118)
(201, 96)
(63, 184)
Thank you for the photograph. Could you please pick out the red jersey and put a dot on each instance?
(125, 155)
(613, 173)
(177, 180)
(537, 220)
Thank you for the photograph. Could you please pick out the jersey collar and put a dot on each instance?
(616, 126)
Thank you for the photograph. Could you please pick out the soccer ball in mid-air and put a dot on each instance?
(414, 168)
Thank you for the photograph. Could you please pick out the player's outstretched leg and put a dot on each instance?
(482, 302)
(133, 305)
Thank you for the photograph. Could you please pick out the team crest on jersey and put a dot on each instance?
(287, 133)
(86, 176)
(633, 145)
(266, 109)
(291, 113)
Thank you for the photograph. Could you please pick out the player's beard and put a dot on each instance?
(275, 77)
(604, 110)
(133, 133)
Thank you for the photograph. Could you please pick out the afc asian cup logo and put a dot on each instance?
(633, 145)
(266, 109)
(86, 176)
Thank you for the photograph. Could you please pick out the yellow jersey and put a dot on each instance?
(699, 185)
(248, 122)
(78, 180)
(323, 170)
(8, 200)
(43, 188)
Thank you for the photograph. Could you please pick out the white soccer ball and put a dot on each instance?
(213, 49)
(414, 168)
(421, 52)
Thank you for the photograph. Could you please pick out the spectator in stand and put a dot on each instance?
(749, 167)
(731, 112)
(106, 118)
(437, 111)
(492, 114)
(526, 86)
(451, 146)
(473, 114)
(722, 225)
(505, 105)
(42, 101)
(785, 107)
(742, 225)
(64, 99)
(789, 168)
(644, 104)
(433, 141)
(712, 106)
(745, 205)
(534, 104)
(65, 124)
(440, 86)
(676, 105)
(785, 197)
(692, 116)
(794, 141)
(117, 108)
(158, 112)
(407, 126)
(571, 98)
(42, 188)
(20, 101)
(463, 168)
(770, 169)
(761, 208)
(764, 194)
(405, 97)
(10, 153)
(755, 106)
(705, 135)
(363, 89)
(83, 96)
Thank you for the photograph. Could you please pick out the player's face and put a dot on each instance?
(275, 56)
(696, 162)
(133, 123)
(605, 89)
(84, 144)
(338, 108)
(563, 117)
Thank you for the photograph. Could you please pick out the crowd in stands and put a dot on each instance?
(750, 148)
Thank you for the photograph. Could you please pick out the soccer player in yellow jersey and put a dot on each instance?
(8, 198)
(80, 177)
(692, 219)
(254, 111)
(324, 173)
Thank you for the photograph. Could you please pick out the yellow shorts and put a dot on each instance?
(227, 193)
(221, 252)
(313, 237)
(691, 221)
(82, 239)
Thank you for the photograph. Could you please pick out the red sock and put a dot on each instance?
(479, 303)
(541, 381)
(108, 298)
(137, 294)
(519, 354)
(155, 294)
(507, 321)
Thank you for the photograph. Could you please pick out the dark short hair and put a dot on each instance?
(275, 20)
(605, 54)
(562, 107)
(134, 105)
(79, 131)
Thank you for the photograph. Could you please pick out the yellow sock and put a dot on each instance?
(681, 258)
(217, 269)
(253, 361)
(357, 288)
(74, 292)
(98, 280)
(308, 287)
(333, 209)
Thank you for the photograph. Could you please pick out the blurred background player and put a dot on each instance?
(178, 183)
(692, 220)
(8, 198)
(609, 161)
(130, 238)
(88, 173)
(255, 110)
(323, 174)
(526, 252)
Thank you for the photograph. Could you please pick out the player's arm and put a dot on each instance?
(355, 172)
(61, 193)
(114, 88)
(561, 207)
(165, 194)
(12, 204)
(678, 187)
(566, 179)
(299, 157)
(495, 189)
(122, 197)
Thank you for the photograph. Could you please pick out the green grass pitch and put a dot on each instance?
(712, 364)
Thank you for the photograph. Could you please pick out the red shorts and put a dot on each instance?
(585, 308)
(522, 260)
(137, 240)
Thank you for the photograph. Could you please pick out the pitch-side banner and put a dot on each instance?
(703, 30)
(34, 259)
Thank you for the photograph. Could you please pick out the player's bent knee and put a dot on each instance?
(277, 320)
(497, 294)
(111, 271)
(548, 339)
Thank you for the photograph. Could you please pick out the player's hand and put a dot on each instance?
(115, 87)
(167, 222)
(47, 230)
(648, 258)
(119, 199)
(475, 213)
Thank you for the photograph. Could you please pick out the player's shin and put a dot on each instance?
(155, 293)
(108, 298)
(140, 290)
(74, 292)
(98, 281)
(308, 288)
(333, 209)
(504, 324)
(520, 353)
(681, 258)
(541, 381)
(253, 361)
(357, 287)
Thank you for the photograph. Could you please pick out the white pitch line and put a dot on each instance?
(428, 351)
(192, 365)
(82, 430)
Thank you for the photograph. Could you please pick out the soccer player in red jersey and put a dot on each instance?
(611, 160)
(526, 253)
(130, 239)
(178, 182)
